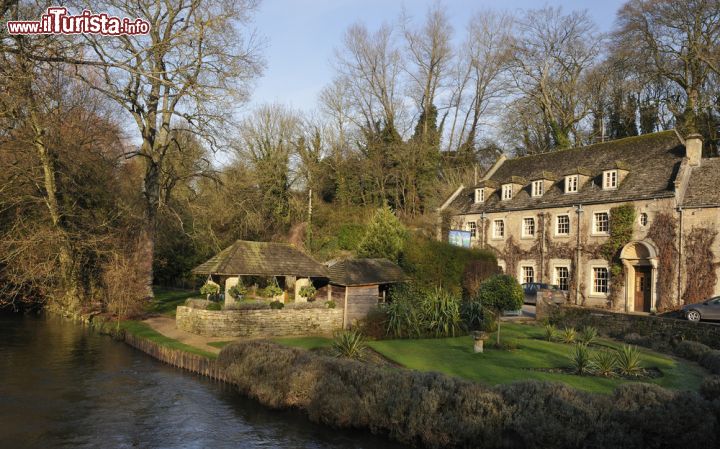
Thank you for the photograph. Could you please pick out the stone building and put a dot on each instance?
(629, 224)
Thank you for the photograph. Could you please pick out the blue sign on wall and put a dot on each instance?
(459, 238)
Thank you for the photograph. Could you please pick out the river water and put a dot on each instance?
(64, 386)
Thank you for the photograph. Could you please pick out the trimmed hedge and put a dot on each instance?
(439, 264)
(435, 410)
(697, 352)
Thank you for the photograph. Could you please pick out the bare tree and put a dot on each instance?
(677, 41)
(551, 55)
(429, 53)
(194, 67)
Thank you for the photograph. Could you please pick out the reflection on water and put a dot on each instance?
(62, 386)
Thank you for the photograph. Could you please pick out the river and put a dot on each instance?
(64, 386)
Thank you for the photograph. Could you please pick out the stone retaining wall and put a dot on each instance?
(259, 323)
(617, 324)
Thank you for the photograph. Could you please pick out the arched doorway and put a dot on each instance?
(640, 261)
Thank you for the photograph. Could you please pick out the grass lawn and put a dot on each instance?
(141, 329)
(454, 356)
(166, 301)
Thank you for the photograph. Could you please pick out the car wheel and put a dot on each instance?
(693, 315)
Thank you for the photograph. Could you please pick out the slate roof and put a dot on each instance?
(704, 185)
(262, 259)
(653, 161)
(365, 272)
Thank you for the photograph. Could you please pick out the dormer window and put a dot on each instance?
(507, 192)
(538, 188)
(571, 183)
(610, 179)
(479, 195)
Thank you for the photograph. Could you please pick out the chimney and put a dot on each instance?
(693, 149)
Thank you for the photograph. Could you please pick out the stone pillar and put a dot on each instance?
(229, 283)
(653, 285)
(629, 272)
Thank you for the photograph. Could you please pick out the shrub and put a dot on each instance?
(349, 344)
(305, 305)
(349, 236)
(214, 306)
(710, 388)
(434, 410)
(272, 291)
(330, 304)
(385, 236)
(307, 291)
(551, 332)
(471, 313)
(691, 350)
(568, 335)
(238, 291)
(440, 313)
(627, 359)
(438, 264)
(604, 363)
(711, 361)
(501, 293)
(403, 317)
(587, 335)
(580, 358)
(210, 288)
(276, 305)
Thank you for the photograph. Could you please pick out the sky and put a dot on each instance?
(301, 35)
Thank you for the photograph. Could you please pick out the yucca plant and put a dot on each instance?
(568, 335)
(349, 344)
(604, 363)
(587, 335)
(551, 332)
(627, 359)
(441, 311)
(580, 358)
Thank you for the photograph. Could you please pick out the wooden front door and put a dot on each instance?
(642, 289)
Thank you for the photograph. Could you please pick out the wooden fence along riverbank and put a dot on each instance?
(192, 362)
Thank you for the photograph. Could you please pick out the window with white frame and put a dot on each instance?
(600, 280)
(562, 225)
(610, 179)
(528, 275)
(562, 278)
(571, 183)
(538, 188)
(472, 227)
(601, 222)
(507, 192)
(643, 219)
(499, 229)
(479, 195)
(528, 229)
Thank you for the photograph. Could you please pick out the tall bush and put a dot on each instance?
(439, 264)
(385, 236)
(501, 293)
(415, 312)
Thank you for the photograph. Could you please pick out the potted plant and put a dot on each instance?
(238, 291)
(210, 290)
(308, 292)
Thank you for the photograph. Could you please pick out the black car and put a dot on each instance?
(531, 290)
(706, 310)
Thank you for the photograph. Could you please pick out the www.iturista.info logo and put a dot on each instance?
(57, 21)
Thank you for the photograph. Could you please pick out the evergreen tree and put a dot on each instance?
(385, 236)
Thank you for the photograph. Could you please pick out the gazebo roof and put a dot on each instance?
(365, 272)
(246, 258)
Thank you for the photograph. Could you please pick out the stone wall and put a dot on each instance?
(619, 324)
(259, 323)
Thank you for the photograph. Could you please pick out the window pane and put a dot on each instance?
(498, 229)
(472, 227)
(602, 224)
(563, 224)
(600, 280)
(528, 227)
(562, 277)
(528, 275)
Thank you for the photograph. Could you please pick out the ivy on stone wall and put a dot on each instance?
(663, 233)
(700, 265)
(622, 219)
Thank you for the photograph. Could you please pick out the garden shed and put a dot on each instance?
(288, 266)
(359, 285)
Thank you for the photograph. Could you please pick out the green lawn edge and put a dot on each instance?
(142, 330)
